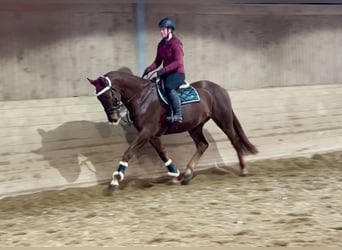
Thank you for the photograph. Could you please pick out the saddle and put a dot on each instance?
(187, 93)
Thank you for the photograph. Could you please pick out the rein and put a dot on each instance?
(120, 103)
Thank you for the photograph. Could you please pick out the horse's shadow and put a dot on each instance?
(73, 145)
(97, 147)
(94, 147)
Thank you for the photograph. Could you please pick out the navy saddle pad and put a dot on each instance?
(187, 94)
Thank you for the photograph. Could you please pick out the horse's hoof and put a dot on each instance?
(111, 188)
(186, 179)
(244, 174)
(172, 181)
(113, 185)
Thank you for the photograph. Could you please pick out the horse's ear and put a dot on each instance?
(42, 132)
(91, 81)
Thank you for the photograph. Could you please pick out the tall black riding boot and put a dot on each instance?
(176, 106)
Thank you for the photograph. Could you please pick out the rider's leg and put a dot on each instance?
(176, 106)
(172, 83)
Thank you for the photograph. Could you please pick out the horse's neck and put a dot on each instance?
(131, 89)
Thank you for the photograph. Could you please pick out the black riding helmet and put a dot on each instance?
(168, 23)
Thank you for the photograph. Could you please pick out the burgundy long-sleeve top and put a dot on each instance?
(171, 54)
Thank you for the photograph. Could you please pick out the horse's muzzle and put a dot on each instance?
(114, 117)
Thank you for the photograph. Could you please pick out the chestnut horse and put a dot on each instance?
(116, 90)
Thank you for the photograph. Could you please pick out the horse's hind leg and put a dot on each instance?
(237, 146)
(172, 169)
(227, 126)
(201, 146)
(243, 169)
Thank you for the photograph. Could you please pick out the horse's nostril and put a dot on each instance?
(114, 121)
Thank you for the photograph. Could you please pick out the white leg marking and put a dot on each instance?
(118, 176)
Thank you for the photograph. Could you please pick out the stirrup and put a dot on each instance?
(169, 117)
(175, 118)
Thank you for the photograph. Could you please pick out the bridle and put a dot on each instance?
(118, 103)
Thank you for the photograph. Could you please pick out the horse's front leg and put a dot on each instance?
(137, 143)
(172, 169)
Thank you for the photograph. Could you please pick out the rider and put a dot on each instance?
(170, 53)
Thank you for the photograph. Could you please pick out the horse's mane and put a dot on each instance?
(126, 73)
(125, 69)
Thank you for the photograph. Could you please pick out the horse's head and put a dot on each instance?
(109, 97)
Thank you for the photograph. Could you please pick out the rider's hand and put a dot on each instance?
(160, 73)
(146, 71)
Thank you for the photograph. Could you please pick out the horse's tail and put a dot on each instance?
(244, 145)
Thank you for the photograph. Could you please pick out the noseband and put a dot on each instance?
(118, 105)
